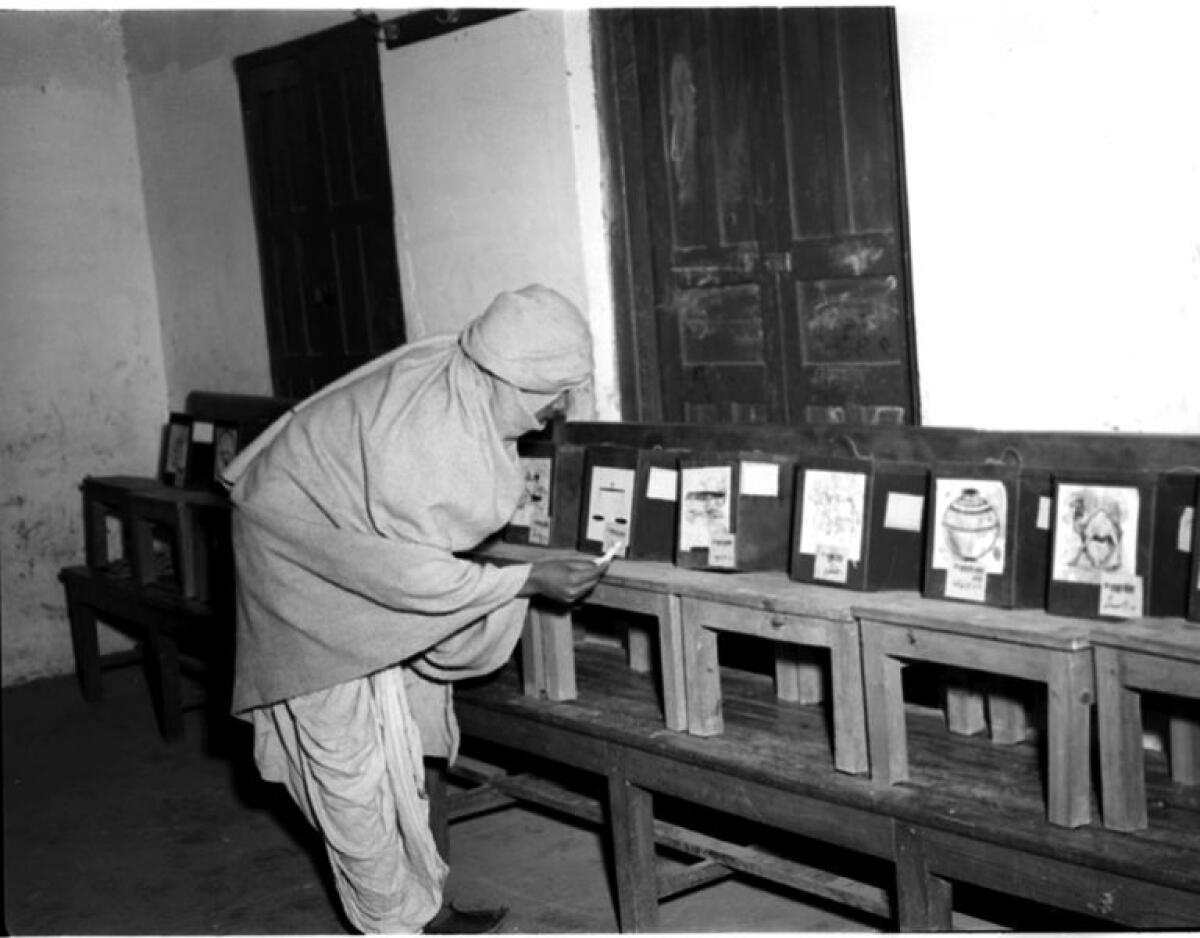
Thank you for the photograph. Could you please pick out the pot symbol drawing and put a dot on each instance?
(972, 525)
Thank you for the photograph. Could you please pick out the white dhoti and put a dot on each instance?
(351, 757)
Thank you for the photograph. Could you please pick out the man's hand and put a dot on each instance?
(564, 581)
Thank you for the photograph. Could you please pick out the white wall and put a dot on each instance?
(197, 189)
(81, 366)
(1054, 194)
(486, 127)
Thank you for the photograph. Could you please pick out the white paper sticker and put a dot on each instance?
(904, 512)
(202, 432)
(1121, 595)
(759, 478)
(831, 564)
(539, 531)
(722, 551)
(1186, 520)
(966, 581)
(662, 484)
(1043, 518)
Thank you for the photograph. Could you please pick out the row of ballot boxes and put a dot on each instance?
(1000, 533)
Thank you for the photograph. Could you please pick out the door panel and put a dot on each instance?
(848, 321)
(323, 205)
(768, 167)
(716, 303)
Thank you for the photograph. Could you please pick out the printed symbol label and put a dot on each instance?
(722, 551)
(966, 581)
(832, 564)
(1121, 596)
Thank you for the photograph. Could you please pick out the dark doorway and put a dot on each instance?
(317, 148)
(761, 243)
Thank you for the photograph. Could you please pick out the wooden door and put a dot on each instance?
(317, 149)
(841, 221)
(718, 326)
(758, 156)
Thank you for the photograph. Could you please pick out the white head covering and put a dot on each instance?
(534, 339)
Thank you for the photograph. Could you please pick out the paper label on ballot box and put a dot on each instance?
(831, 563)
(661, 484)
(759, 478)
(1121, 595)
(966, 581)
(722, 551)
(1043, 518)
(904, 512)
(202, 432)
(1184, 538)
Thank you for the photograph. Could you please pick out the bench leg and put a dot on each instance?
(558, 645)
(702, 678)
(799, 677)
(631, 827)
(1184, 748)
(924, 902)
(638, 649)
(850, 752)
(533, 657)
(670, 650)
(1069, 722)
(964, 704)
(160, 654)
(1007, 718)
(1122, 763)
(886, 727)
(86, 646)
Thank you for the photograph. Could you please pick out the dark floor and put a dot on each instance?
(109, 830)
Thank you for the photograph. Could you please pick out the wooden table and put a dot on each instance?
(974, 817)
(897, 628)
(1160, 655)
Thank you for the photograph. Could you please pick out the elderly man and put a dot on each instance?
(354, 612)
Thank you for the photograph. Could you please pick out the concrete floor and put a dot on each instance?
(109, 830)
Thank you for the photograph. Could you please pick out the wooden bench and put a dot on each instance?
(173, 633)
(1160, 655)
(180, 622)
(900, 628)
(974, 818)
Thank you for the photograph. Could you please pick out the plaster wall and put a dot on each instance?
(488, 128)
(81, 377)
(197, 188)
(1054, 194)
